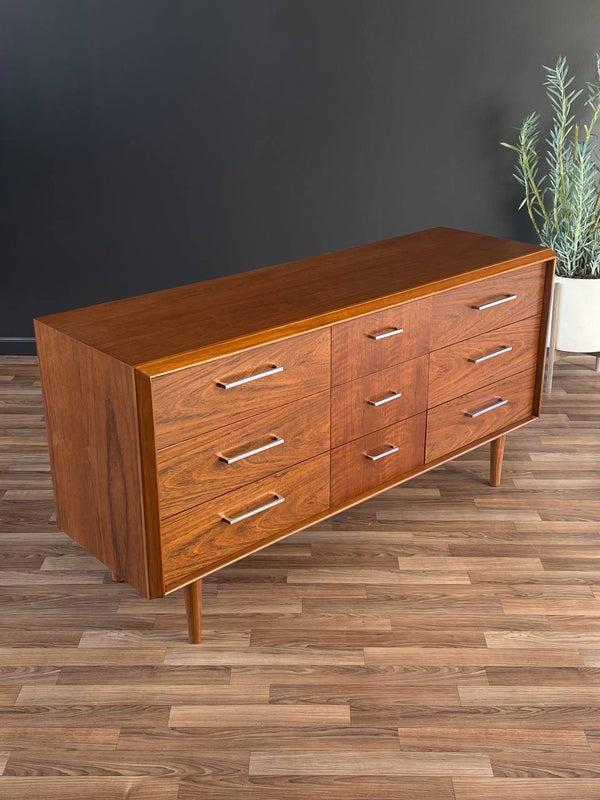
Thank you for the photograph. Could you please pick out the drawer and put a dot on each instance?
(374, 459)
(378, 400)
(238, 521)
(484, 305)
(478, 414)
(209, 395)
(486, 358)
(377, 341)
(194, 471)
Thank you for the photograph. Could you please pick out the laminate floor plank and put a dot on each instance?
(439, 642)
(76, 788)
(526, 788)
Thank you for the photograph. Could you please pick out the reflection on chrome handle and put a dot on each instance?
(273, 370)
(234, 520)
(385, 334)
(391, 449)
(506, 299)
(275, 442)
(497, 404)
(383, 400)
(499, 352)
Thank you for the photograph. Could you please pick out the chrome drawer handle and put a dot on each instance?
(473, 414)
(275, 442)
(383, 400)
(258, 510)
(391, 449)
(506, 299)
(232, 384)
(385, 334)
(499, 352)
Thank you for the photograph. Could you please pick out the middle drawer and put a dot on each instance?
(191, 472)
(377, 458)
(378, 400)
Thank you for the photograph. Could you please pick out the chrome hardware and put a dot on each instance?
(506, 349)
(232, 384)
(234, 520)
(383, 400)
(391, 449)
(473, 414)
(506, 299)
(385, 334)
(275, 442)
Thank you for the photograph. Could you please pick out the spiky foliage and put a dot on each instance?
(563, 202)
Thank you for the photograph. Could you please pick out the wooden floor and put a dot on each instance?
(441, 642)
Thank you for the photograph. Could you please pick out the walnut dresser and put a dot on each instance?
(192, 426)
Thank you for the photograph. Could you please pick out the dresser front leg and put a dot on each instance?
(117, 578)
(193, 608)
(496, 459)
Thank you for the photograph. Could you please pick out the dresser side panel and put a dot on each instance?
(91, 420)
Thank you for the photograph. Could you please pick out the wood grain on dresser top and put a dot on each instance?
(176, 327)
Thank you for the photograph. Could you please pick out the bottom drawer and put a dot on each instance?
(221, 528)
(377, 458)
(478, 414)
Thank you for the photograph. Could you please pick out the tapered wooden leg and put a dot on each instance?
(117, 578)
(496, 459)
(193, 607)
(597, 362)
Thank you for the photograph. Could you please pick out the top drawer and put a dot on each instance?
(464, 312)
(380, 340)
(209, 395)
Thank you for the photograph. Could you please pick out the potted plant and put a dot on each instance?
(563, 202)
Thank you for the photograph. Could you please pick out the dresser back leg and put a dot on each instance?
(193, 607)
(496, 459)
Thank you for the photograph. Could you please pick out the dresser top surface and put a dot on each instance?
(171, 328)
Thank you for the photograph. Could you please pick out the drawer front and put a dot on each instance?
(379, 457)
(202, 537)
(464, 312)
(378, 400)
(478, 414)
(199, 469)
(216, 393)
(486, 358)
(379, 340)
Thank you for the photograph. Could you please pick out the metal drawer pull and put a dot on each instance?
(506, 349)
(275, 442)
(385, 334)
(259, 509)
(500, 402)
(232, 384)
(383, 400)
(392, 448)
(506, 299)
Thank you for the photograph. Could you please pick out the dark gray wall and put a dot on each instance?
(149, 143)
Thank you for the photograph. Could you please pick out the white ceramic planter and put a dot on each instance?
(577, 313)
